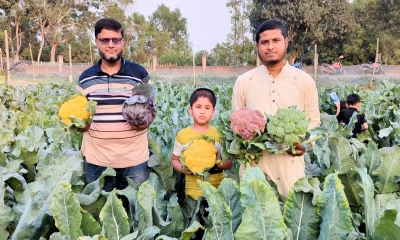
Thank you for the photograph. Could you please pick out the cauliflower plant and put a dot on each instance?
(287, 126)
(200, 156)
(77, 111)
(246, 122)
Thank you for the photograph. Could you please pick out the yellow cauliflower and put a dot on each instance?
(200, 156)
(77, 111)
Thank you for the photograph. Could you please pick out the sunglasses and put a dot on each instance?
(106, 41)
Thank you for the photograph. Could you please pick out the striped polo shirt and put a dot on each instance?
(110, 142)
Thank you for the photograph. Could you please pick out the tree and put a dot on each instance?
(139, 45)
(239, 10)
(172, 22)
(379, 18)
(15, 12)
(169, 27)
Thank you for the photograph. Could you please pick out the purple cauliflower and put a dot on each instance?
(140, 109)
(246, 122)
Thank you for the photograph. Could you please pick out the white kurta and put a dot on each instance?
(257, 89)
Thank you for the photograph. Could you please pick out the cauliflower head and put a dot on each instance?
(246, 122)
(287, 125)
(77, 111)
(200, 156)
(140, 109)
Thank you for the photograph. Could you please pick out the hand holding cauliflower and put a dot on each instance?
(77, 112)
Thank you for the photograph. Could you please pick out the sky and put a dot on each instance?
(208, 21)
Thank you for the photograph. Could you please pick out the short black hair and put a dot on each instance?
(271, 24)
(203, 92)
(109, 24)
(353, 99)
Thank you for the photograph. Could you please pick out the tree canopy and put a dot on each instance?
(336, 26)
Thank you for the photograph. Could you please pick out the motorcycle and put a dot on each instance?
(299, 65)
(368, 68)
(334, 68)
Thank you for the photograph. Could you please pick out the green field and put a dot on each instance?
(351, 189)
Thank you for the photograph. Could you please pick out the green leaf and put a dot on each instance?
(53, 168)
(367, 195)
(230, 192)
(219, 213)
(92, 190)
(149, 233)
(165, 176)
(343, 152)
(247, 194)
(351, 188)
(146, 201)
(335, 210)
(176, 224)
(130, 236)
(387, 201)
(262, 218)
(388, 170)
(188, 233)
(89, 225)
(386, 228)
(300, 214)
(6, 214)
(371, 158)
(114, 218)
(160, 204)
(66, 211)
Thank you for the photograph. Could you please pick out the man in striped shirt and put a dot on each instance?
(110, 141)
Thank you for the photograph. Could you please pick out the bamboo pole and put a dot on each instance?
(194, 73)
(91, 57)
(1, 59)
(33, 63)
(7, 58)
(376, 59)
(315, 62)
(70, 63)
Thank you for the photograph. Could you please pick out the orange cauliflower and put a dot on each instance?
(77, 111)
(246, 122)
(200, 156)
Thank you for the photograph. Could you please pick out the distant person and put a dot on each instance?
(275, 84)
(110, 141)
(340, 105)
(353, 104)
(202, 109)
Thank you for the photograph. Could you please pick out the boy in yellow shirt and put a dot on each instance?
(202, 109)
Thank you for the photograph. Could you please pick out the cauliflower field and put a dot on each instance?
(351, 190)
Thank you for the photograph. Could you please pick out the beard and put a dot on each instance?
(110, 59)
(271, 62)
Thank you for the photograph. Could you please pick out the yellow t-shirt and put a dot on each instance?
(182, 141)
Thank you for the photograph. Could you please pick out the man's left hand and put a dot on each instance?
(139, 128)
(299, 150)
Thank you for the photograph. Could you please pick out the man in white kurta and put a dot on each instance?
(257, 89)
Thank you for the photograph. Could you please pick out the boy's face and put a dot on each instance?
(202, 111)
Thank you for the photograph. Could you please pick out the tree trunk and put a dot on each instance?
(43, 35)
(53, 53)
